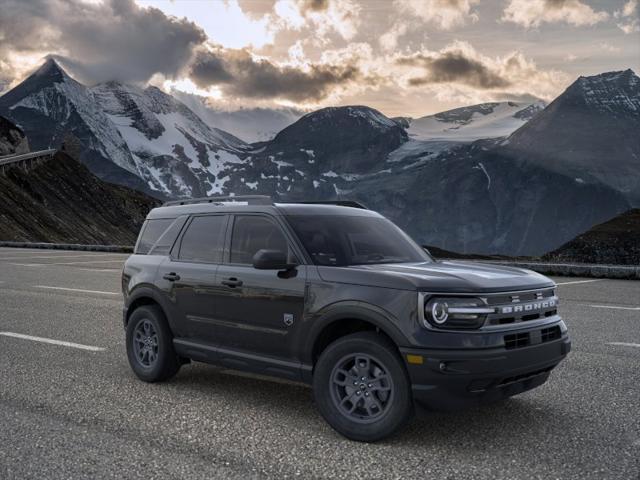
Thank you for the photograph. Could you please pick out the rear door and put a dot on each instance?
(258, 311)
(188, 276)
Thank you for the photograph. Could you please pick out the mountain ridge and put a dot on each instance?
(485, 195)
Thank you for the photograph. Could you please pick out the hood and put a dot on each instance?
(440, 276)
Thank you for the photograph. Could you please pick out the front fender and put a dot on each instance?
(342, 310)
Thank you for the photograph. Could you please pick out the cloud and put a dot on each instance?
(321, 17)
(630, 23)
(113, 39)
(533, 13)
(239, 73)
(445, 14)
(453, 66)
(459, 72)
(389, 40)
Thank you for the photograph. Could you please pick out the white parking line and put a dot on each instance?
(108, 270)
(612, 307)
(52, 342)
(77, 290)
(580, 281)
(37, 257)
(624, 344)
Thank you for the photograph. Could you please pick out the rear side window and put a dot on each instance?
(252, 233)
(151, 232)
(203, 241)
(168, 238)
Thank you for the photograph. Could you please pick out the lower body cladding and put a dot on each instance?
(455, 379)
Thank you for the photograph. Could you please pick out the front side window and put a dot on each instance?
(343, 240)
(252, 233)
(203, 241)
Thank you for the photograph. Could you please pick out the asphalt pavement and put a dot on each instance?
(71, 408)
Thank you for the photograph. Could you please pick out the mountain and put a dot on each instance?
(250, 124)
(322, 150)
(136, 137)
(61, 201)
(465, 197)
(466, 124)
(612, 242)
(49, 106)
(522, 194)
(173, 150)
(591, 133)
(12, 139)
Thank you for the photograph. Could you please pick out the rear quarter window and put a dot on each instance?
(150, 233)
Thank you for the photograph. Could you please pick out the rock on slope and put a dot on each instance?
(61, 201)
(616, 241)
(12, 139)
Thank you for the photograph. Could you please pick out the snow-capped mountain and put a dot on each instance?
(49, 105)
(138, 137)
(466, 124)
(174, 151)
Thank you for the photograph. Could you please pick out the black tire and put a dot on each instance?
(335, 390)
(159, 360)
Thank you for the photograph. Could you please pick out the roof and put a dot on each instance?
(172, 211)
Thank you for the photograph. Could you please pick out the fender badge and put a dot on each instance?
(288, 319)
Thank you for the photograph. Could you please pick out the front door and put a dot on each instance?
(258, 311)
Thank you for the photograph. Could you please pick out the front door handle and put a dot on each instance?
(172, 277)
(232, 282)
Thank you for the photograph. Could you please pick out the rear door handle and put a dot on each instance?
(172, 277)
(232, 282)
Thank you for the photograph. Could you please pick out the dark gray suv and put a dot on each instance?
(337, 296)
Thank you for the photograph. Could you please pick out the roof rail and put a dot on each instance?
(250, 199)
(340, 203)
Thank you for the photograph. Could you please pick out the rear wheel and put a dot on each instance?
(150, 345)
(361, 387)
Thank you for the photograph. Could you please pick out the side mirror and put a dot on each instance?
(271, 260)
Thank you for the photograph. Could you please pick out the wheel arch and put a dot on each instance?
(140, 297)
(347, 318)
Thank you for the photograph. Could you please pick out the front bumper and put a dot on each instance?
(453, 379)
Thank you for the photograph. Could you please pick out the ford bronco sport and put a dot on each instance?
(336, 296)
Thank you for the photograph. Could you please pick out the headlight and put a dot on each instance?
(456, 312)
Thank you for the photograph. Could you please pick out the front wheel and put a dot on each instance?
(150, 345)
(361, 387)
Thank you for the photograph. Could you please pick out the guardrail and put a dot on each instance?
(25, 160)
(627, 272)
(69, 246)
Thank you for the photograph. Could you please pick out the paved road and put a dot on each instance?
(66, 412)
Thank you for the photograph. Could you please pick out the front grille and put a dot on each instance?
(519, 307)
(520, 340)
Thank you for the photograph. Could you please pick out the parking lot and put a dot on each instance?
(70, 406)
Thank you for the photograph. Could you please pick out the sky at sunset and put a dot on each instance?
(403, 57)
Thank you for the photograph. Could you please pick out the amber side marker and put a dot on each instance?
(415, 359)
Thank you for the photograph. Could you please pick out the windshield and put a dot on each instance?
(340, 240)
